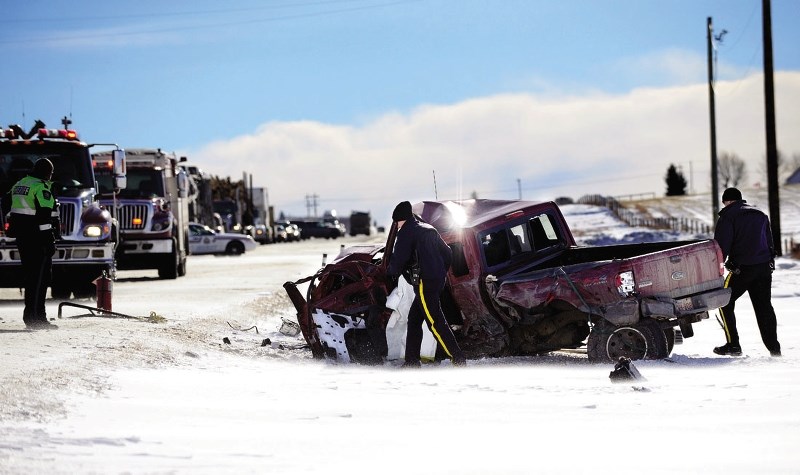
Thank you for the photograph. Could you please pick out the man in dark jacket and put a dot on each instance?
(744, 234)
(31, 223)
(419, 244)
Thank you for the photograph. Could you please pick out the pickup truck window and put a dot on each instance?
(459, 264)
(543, 232)
(531, 235)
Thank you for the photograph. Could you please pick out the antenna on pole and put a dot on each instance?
(435, 191)
(71, 94)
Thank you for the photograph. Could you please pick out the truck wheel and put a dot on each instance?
(234, 247)
(182, 268)
(645, 339)
(85, 290)
(169, 269)
(60, 291)
(629, 342)
(598, 341)
(669, 335)
(658, 347)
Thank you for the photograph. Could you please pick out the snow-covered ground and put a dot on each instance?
(163, 393)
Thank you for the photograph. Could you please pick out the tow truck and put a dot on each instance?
(86, 247)
(151, 210)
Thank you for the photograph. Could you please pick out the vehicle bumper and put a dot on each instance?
(628, 312)
(70, 258)
(146, 246)
(686, 306)
(97, 253)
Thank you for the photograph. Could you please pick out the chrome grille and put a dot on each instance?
(66, 213)
(132, 216)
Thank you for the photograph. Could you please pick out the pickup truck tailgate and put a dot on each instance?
(678, 272)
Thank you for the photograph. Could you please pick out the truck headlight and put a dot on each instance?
(93, 231)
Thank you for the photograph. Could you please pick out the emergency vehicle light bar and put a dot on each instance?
(58, 133)
(9, 133)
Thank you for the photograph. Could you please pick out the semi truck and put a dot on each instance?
(151, 210)
(86, 247)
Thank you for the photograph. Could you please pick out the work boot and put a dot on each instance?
(729, 349)
(459, 361)
(776, 353)
(41, 325)
(411, 364)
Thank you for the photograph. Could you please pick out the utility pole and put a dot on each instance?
(311, 202)
(713, 119)
(772, 140)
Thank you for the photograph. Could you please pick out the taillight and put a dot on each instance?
(626, 285)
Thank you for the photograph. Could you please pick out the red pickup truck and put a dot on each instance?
(519, 285)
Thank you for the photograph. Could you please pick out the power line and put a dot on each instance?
(85, 18)
(173, 29)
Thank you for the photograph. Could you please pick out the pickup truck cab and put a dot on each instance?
(519, 285)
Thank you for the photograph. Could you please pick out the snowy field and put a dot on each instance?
(162, 393)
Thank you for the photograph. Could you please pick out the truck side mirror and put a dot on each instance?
(183, 184)
(120, 182)
(118, 157)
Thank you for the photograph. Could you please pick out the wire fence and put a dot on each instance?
(632, 218)
(687, 225)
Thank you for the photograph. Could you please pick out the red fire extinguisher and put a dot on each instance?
(104, 288)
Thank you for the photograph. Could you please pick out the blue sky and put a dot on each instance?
(326, 85)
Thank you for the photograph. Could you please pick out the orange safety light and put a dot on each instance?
(137, 221)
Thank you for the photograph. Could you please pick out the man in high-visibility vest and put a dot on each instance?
(31, 223)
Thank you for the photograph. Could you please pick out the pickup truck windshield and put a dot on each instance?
(533, 234)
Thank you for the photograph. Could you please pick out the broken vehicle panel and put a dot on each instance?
(519, 285)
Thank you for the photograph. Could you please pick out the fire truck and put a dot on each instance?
(151, 210)
(86, 248)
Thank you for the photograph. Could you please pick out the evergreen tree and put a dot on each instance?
(676, 182)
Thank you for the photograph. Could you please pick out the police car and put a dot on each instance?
(203, 240)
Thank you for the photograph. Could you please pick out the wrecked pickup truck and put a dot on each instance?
(519, 285)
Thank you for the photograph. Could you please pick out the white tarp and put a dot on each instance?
(400, 301)
(332, 327)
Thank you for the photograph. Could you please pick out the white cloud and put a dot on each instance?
(556, 145)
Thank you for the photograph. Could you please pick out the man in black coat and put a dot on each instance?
(421, 254)
(744, 234)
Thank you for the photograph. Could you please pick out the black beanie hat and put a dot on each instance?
(43, 169)
(402, 212)
(732, 194)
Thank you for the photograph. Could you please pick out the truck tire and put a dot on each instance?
(658, 347)
(85, 290)
(60, 291)
(643, 340)
(597, 342)
(182, 267)
(669, 334)
(169, 268)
